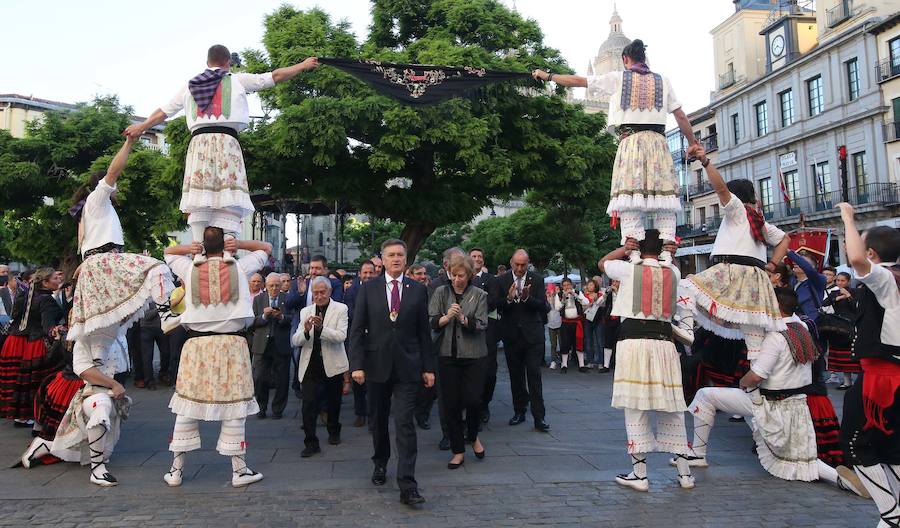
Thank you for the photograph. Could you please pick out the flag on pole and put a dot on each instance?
(784, 192)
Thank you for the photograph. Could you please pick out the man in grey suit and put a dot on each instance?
(271, 347)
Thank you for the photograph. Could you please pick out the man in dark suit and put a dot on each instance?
(300, 296)
(523, 308)
(271, 348)
(487, 282)
(360, 402)
(390, 351)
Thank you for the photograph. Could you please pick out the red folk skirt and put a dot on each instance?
(827, 428)
(23, 366)
(52, 402)
(839, 360)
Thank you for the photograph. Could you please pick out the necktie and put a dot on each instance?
(395, 296)
(519, 285)
(272, 302)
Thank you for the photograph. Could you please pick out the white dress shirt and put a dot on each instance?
(99, 222)
(388, 287)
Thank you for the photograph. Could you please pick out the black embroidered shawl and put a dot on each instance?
(420, 84)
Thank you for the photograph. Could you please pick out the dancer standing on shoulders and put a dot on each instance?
(734, 298)
(215, 192)
(643, 179)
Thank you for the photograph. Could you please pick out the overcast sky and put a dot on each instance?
(142, 52)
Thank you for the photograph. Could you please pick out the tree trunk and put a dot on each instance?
(415, 234)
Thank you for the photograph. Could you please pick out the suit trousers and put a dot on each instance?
(524, 363)
(462, 384)
(310, 407)
(269, 368)
(149, 337)
(404, 396)
(490, 375)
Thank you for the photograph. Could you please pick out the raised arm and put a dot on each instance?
(779, 252)
(134, 131)
(856, 248)
(194, 248)
(685, 126)
(561, 78)
(715, 177)
(283, 74)
(118, 163)
(253, 245)
(617, 254)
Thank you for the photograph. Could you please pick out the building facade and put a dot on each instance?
(809, 129)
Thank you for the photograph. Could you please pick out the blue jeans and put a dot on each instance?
(593, 342)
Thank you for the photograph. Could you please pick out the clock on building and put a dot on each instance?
(777, 46)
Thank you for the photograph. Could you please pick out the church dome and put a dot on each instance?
(615, 42)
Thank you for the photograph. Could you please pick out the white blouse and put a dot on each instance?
(105, 349)
(776, 365)
(234, 111)
(634, 98)
(734, 236)
(99, 222)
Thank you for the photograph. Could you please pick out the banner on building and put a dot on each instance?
(812, 242)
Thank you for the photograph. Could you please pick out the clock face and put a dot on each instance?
(777, 46)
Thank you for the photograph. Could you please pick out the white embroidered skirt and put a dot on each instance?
(215, 176)
(214, 379)
(785, 438)
(729, 295)
(648, 376)
(643, 177)
(115, 289)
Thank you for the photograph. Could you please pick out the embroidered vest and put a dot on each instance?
(216, 291)
(654, 292)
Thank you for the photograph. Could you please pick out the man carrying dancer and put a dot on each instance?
(113, 290)
(643, 179)
(217, 312)
(215, 189)
(772, 393)
(648, 368)
(870, 432)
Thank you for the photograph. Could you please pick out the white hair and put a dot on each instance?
(320, 280)
(273, 275)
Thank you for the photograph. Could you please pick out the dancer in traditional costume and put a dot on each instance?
(643, 179)
(37, 322)
(113, 288)
(648, 369)
(772, 393)
(215, 382)
(734, 298)
(870, 432)
(215, 192)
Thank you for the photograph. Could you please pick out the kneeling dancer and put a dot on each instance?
(215, 382)
(783, 427)
(648, 368)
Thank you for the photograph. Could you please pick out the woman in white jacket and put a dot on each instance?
(323, 360)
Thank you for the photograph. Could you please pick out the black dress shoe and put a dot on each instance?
(542, 426)
(564, 370)
(411, 497)
(517, 419)
(261, 415)
(456, 465)
(334, 439)
(277, 416)
(309, 451)
(444, 444)
(379, 476)
(424, 422)
(583, 369)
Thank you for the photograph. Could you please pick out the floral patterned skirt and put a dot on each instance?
(115, 289)
(643, 177)
(215, 176)
(214, 379)
(729, 295)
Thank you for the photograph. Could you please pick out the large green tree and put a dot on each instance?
(334, 138)
(40, 172)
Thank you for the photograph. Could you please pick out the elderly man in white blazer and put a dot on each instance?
(320, 335)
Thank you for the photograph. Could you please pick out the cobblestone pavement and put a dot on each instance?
(563, 478)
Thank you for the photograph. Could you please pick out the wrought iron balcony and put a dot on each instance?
(886, 70)
(891, 131)
(838, 13)
(727, 79)
(872, 193)
(710, 143)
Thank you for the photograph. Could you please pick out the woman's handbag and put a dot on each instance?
(836, 328)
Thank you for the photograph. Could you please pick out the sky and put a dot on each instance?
(143, 52)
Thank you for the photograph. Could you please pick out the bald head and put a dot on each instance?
(519, 262)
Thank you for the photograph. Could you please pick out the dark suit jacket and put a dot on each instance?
(279, 330)
(438, 281)
(523, 321)
(386, 350)
(488, 283)
(7, 299)
(295, 301)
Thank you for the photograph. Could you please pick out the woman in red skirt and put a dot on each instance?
(844, 304)
(24, 362)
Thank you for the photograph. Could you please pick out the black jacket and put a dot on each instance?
(400, 350)
(278, 330)
(523, 320)
(45, 314)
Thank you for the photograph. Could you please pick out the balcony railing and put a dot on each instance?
(726, 79)
(710, 142)
(838, 13)
(886, 70)
(695, 189)
(891, 131)
(869, 194)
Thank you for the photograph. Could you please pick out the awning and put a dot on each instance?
(702, 249)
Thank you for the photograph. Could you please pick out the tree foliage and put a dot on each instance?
(334, 138)
(41, 171)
